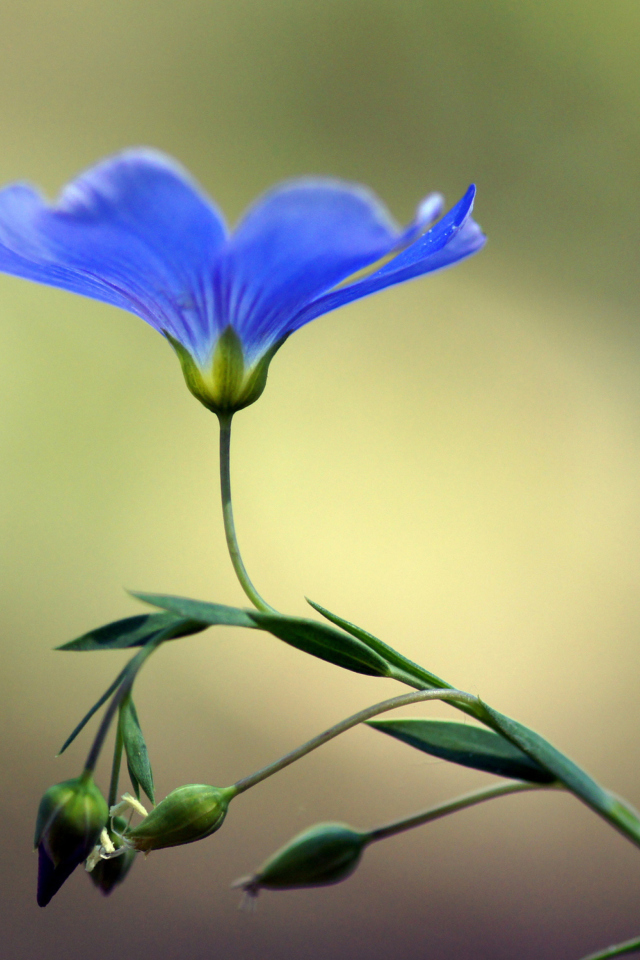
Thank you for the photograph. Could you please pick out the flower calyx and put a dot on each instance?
(189, 813)
(227, 383)
(324, 854)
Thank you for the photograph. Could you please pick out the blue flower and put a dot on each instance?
(137, 232)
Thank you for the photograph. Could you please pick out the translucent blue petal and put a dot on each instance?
(428, 211)
(134, 231)
(299, 240)
(455, 236)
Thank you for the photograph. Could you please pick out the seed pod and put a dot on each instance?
(321, 855)
(70, 819)
(187, 814)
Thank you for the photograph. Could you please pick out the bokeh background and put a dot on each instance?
(454, 464)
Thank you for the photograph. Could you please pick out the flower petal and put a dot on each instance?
(134, 231)
(298, 241)
(427, 213)
(455, 236)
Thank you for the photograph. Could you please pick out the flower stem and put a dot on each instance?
(345, 725)
(617, 950)
(443, 809)
(227, 514)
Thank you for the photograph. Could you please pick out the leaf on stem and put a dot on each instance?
(135, 632)
(616, 811)
(85, 720)
(311, 637)
(135, 747)
(403, 664)
(467, 745)
(207, 614)
(324, 642)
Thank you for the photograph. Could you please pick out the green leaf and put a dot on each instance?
(314, 638)
(135, 632)
(402, 664)
(208, 614)
(614, 810)
(470, 746)
(324, 642)
(136, 750)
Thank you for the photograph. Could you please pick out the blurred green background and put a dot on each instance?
(454, 464)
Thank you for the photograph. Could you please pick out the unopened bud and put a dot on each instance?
(187, 814)
(321, 855)
(70, 819)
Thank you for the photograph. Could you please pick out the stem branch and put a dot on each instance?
(344, 725)
(443, 809)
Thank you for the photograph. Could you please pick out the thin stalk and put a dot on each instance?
(345, 725)
(452, 806)
(227, 515)
(130, 673)
(115, 767)
(617, 950)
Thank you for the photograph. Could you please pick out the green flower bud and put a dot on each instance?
(227, 383)
(70, 819)
(190, 813)
(108, 873)
(321, 855)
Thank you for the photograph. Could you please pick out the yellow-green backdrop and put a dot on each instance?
(454, 464)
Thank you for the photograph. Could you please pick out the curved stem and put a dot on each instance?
(227, 515)
(345, 725)
(443, 809)
(617, 950)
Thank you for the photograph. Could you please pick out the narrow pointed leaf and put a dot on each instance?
(324, 642)
(135, 747)
(612, 808)
(469, 746)
(85, 720)
(403, 664)
(317, 639)
(135, 632)
(209, 614)
(402, 669)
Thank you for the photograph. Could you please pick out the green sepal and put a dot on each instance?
(402, 664)
(135, 747)
(323, 642)
(135, 632)
(230, 385)
(467, 745)
(617, 812)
